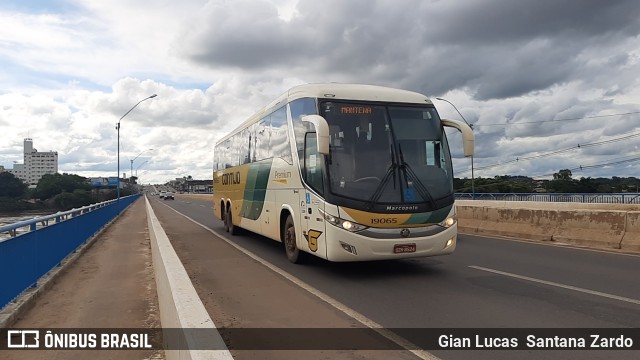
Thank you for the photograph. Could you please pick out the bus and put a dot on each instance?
(345, 172)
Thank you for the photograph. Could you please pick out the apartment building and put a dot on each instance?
(36, 164)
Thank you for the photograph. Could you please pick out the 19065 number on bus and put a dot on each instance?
(379, 221)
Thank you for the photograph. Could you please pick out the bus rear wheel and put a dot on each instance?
(290, 246)
(228, 222)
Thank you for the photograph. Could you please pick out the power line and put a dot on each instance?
(556, 152)
(595, 166)
(578, 168)
(555, 120)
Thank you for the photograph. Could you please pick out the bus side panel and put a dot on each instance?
(229, 187)
(217, 194)
(283, 180)
(255, 190)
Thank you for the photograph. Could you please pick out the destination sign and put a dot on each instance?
(356, 110)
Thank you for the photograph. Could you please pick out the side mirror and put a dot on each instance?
(322, 132)
(468, 139)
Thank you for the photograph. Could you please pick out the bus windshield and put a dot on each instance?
(387, 154)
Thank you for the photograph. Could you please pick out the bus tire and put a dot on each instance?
(289, 239)
(228, 223)
(224, 218)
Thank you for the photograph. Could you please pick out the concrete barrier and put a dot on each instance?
(631, 239)
(531, 224)
(593, 225)
(528, 224)
(472, 215)
(600, 229)
(191, 329)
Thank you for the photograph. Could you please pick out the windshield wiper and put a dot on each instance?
(408, 172)
(391, 172)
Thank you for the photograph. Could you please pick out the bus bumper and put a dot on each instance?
(347, 246)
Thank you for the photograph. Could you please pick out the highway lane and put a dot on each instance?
(486, 283)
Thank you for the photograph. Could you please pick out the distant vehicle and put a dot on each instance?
(169, 196)
(367, 174)
(162, 194)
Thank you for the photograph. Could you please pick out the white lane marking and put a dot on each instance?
(569, 287)
(398, 340)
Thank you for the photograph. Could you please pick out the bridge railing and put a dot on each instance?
(587, 198)
(38, 245)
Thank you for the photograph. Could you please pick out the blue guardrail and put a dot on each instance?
(27, 257)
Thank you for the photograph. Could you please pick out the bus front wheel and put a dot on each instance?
(290, 246)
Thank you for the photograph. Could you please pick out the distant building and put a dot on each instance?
(189, 185)
(36, 164)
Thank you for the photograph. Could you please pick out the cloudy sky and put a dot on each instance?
(532, 76)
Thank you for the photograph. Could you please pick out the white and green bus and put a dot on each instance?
(342, 171)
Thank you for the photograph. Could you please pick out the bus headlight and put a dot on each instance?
(448, 222)
(341, 223)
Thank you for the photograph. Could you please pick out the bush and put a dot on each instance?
(13, 205)
(68, 201)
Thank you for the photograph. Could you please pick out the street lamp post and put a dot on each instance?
(139, 166)
(473, 188)
(137, 179)
(118, 128)
(134, 159)
(141, 173)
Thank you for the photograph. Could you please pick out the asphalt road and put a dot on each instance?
(486, 283)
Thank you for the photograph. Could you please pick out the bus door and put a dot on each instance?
(311, 219)
(312, 223)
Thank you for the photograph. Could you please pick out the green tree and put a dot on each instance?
(11, 186)
(51, 185)
(564, 174)
(586, 185)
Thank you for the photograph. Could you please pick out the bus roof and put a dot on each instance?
(336, 91)
(356, 92)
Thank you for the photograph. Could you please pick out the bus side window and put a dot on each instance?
(262, 139)
(226, 148)
(433, 153)
(313, 164)
(236, 148)
(299, 108)
(252, 142)
(279, 143)
(216, 159)
(245, 148)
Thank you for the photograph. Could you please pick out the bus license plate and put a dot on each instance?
(404, 248)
